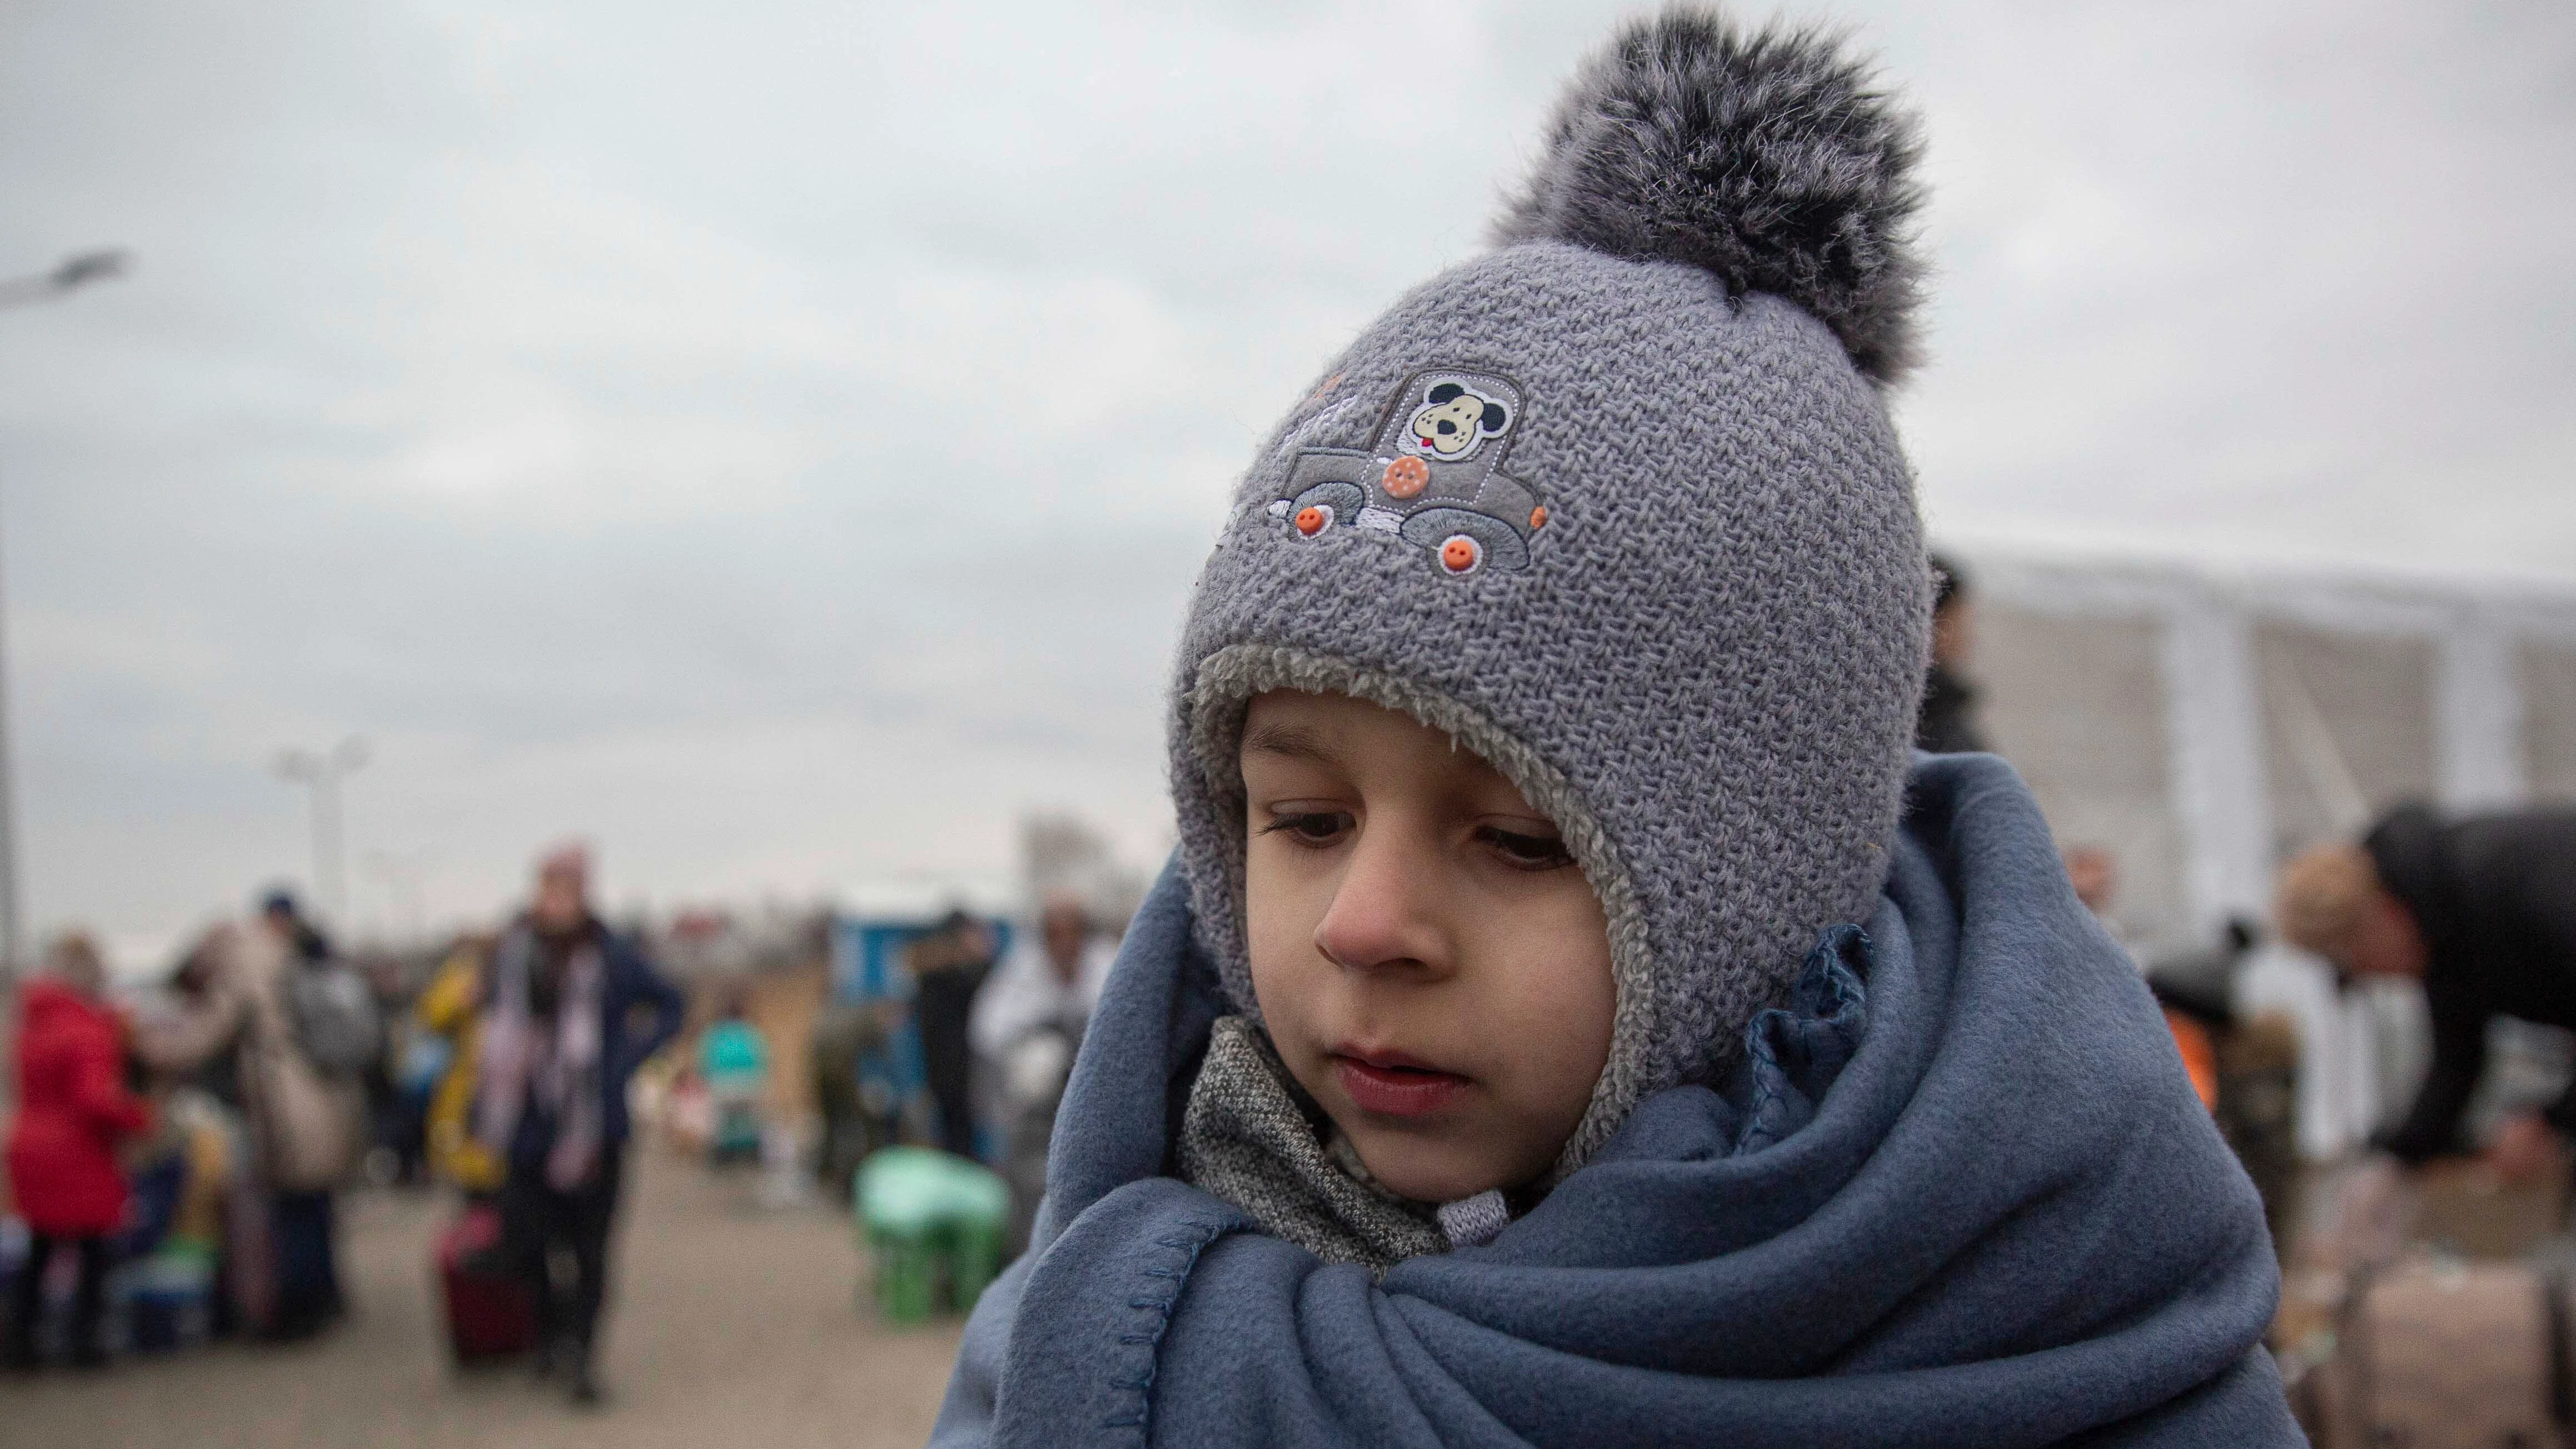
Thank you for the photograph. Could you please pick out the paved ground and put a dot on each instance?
(732, 1326)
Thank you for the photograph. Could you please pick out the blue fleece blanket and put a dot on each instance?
(2004, 1219)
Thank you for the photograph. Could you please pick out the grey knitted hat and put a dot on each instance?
(1618, 507)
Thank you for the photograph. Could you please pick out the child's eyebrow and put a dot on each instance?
(1297, 742)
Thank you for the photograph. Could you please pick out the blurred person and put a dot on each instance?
(189, 1047)
(1574, 1012)
(2095, 875)
(73, 1112)
(398, 1081)
(558, 1046)
(235, 1030)
(853, 1126)
(1048, 982)
(1946, 723)
(417, 1060)
(949, 965)
(202, 1008)
(284, 917)
(2481, 913)
(336, 1028)
(733, 1057)
(1027, 1026)
(2247, 1065)
(688, 1110)
(450, 1010)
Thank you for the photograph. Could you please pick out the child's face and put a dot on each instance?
(1431, 964)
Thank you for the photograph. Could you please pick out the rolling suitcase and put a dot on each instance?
(490, 1313)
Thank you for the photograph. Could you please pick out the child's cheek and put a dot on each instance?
(1560, 1005)
(1279, 930)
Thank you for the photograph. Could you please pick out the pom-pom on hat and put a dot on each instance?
(1618, 506)
(1769, 159)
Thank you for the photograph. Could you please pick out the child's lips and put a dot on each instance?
(1392, 1086)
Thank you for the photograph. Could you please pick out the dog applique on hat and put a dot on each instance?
(1435, 480)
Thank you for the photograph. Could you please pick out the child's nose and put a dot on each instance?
(1384, 914)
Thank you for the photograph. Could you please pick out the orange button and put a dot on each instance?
(1538, 516)
(1311, 521)
(1459, 554)
(1406, 477)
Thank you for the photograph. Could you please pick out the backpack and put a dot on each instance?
(334, 1013)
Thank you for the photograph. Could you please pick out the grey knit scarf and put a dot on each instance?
(1245, 1139)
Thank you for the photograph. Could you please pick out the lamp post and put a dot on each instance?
(74, 273)
(403, 875)
(323, 770)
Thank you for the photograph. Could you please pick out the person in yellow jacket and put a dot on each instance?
(452, 1007)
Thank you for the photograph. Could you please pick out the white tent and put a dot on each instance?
(2204, 723)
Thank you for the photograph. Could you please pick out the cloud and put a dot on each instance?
(778, 440)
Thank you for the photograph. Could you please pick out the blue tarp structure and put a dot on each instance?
(867, 966)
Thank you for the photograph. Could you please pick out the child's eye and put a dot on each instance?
(1526, 852)
(1311, 827)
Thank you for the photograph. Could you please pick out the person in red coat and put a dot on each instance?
(72, 1110)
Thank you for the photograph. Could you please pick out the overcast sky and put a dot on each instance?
(774, 440)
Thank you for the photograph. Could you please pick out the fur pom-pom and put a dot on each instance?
(1771, 159)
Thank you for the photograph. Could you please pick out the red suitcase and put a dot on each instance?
(490, 1314)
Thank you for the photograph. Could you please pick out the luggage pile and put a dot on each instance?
(2433, 1353)
(2411, 1342)
(167, 1289)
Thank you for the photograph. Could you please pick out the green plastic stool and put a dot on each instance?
(930, 1219)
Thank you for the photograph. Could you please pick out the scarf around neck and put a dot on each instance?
(1248, 1139)
(550, 1063)
(1251, 1140)
(2005, 1220)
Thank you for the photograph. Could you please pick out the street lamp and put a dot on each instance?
(74, 273)
(323, 770)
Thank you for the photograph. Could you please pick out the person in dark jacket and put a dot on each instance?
(556, 1057)
(73, 1109)
(1947, 721)
(2482, 911)
(948, 968)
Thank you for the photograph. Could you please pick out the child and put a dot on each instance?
(73, 1112)
(1564, 1020)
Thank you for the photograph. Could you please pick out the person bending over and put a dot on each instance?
(2482, 913)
